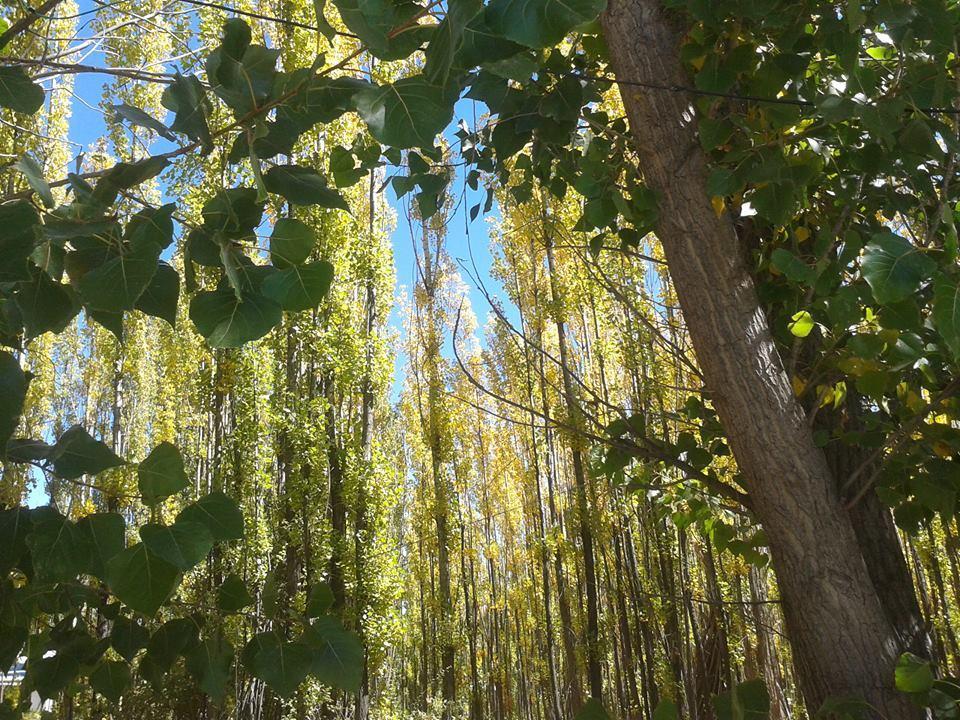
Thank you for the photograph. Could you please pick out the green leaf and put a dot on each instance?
(56, 550)
(111, 321)
(183, 544)
(666, 710)
(103, 537)
(791, 266)
(290, 242)
(159, 298)
(142, 580)
(775, 201)
(12, 640)
(323, 24)
(18, 92)
(481, 45)
(77, 453)
(235, 212)
(592, 710)
(128, 637)
(110, 679)
(161, 474)
(15, 524)
(185, 97)
(374, 21)
(540, 23)
(408, 113)
(209, 664)
(317, 100)
(219, 513)
(124, 175)
(172, 639)
(946, 312)
(303, 186)
(137, 117)
(241, 74)
(116, 285)
(447, 39)
(320, 600)
(894, 268)
(13, 392)
(20, 222)
(45, 305)
(34, 174)
(300, 287)
(338, 656)
(748, 701)
(227, 322)
(280, 664)
(913, 674)
(50, 675)
(233, 595)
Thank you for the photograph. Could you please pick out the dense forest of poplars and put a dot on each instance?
(518, 360)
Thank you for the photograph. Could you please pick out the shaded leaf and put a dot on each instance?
(300, 287)
(50, 675)
(13, 392)
(303, 186)
(407, 113)
(104, 537)
(128, 637)
(290, 242)
(34, 174)
(338, 657)
(56, 549)
(142, 580)
(894, 268)
(136, 116)
(18, 92)
(186, 98)
(539, 23)
(76, 453)
(161, 474)
(280, 664)
(226, 321)
(183, 544)
(159, 297)
(233, 595)
(219, 513)
(209, 664)
(171, 640)
(110, 679)
(946, 312)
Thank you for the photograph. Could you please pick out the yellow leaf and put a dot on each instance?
(827, 395)
(943, 450)
(718, 204)
(802, 234)
(799, 385)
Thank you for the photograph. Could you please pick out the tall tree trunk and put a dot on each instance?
(361, 524)
(843, 642)
(594, 670)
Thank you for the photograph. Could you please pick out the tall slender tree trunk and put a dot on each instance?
(843, 642)
(594, 668)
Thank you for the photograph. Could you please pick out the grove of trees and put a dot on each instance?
(695, 455)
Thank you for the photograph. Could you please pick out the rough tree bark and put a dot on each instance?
(843, 642)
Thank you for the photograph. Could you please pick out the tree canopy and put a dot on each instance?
(717, 383)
